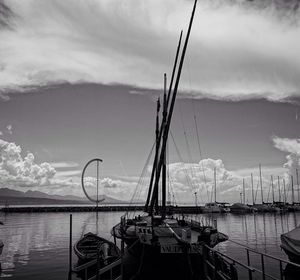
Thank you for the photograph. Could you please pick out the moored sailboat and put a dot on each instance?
(166, 247)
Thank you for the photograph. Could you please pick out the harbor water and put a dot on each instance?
(36, 245)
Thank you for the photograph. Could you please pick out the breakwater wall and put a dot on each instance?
(113, 208)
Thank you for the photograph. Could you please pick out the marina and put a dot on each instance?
(37, 244)
(72, 210)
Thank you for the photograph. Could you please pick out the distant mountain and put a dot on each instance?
(36, 197)
(39, 194)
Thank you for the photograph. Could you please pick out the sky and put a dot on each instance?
(80, 79)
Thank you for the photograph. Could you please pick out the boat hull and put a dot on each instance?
(91, 247)
(148, 262)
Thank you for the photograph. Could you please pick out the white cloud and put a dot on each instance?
(292, 147)
(238, 49)
(287, 145)
(64, 164)
(67, 173)
(19, 171)
(9, 129)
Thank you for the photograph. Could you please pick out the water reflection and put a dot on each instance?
(37, 243)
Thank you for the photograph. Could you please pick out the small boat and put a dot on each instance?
(92, 246)
(290, 243)
(240, 208)
(215, 207)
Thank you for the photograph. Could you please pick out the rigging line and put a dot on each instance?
(143, 171)
(181, 159)
(190, 159)
(198, 138)
(200, 153)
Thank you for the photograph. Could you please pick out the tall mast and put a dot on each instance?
(284, 191)
(244, 193)
(253, 202)
(164, 167)
(297, 177)
(279, 195)
(292, 184)
(215, 180)
(157, 144)
(170, 113)
(261, 188)
(161, 130)
(272, 188)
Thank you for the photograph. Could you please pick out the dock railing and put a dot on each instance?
(94, 265)
(220, 266)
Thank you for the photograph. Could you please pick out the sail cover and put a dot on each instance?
(290, 241)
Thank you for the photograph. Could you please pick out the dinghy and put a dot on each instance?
(92, 246)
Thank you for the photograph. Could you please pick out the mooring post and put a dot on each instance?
(70, 250)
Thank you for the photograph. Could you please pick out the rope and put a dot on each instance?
(200, 153)
(141, 177)
(181, 159)
(190, 159)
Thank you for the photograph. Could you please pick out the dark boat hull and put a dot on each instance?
(152, 264)
(292, 257)
(92, 247)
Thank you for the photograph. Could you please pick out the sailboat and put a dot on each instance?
(215, 207)
(242, 207)
(166, 247)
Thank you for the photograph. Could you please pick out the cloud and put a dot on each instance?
(19, 171)
(67, 173)
(287, 145)
(292, 147)
(64, 164)
(238, 49)
(9, 129)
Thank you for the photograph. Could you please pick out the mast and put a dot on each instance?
(298, 191)
(164, 167)
(215, 180)
(157, 142)
(261, 188)
(272, 188)
(244, 194)
(97, 186)
(253, 202)
(279, 195)
(293, 195)
(161, 129)
(284, 192)
(170, 113)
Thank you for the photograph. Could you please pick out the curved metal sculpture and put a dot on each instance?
(98, 160)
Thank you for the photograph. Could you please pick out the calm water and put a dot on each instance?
(36, 244)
